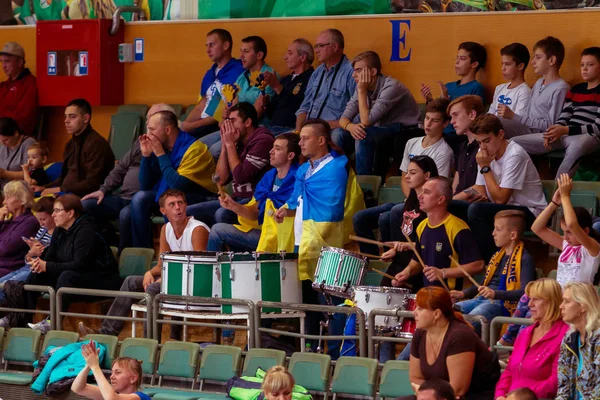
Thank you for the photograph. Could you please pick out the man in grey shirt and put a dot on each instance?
(380, 108)
(106, 205)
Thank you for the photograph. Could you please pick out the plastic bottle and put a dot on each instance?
(227, 336)
(308, 348)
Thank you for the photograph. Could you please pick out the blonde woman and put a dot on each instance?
(16, 221)
(534, 360)
(124, 383)
(580, 349)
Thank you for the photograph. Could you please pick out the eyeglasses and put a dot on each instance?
(57, 210)
(321, 45)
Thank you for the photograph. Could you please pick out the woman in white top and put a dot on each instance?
(580, 256)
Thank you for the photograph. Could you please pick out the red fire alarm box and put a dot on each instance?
(79, 59)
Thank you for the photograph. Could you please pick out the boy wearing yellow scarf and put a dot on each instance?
(509, 271)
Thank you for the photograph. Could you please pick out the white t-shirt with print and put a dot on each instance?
(440, 152)
(214, 88)
(517, 98)
(575, 264)
(515, 170)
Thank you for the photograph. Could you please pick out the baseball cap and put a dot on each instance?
(13, 49)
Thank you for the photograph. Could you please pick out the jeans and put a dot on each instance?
(204, 130)
(19, 275)
(143, 204)
(575, 146)
(596, 227)
(480, 217)
(223, 236)
(343, 140)
(121, 307)
(111, 208)
(365, 149)
(213, 142)
(482, 306)
(365, 222)
(211, 212)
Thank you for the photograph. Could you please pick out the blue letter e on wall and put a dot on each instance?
(399, 40)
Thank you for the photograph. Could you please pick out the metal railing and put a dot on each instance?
(360, 319)
(103, 293)
(373, 336)
(42, 289)
(496, 326)
(199, 301)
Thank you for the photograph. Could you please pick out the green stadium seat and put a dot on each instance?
(549, 187)
(178, 109)
(393, 182)
(219, 363)
(111, 343)
(141, 349)
(538, 273)
(59, 339)
(135, 261)
(178, 359)
(263, 359)
(369, 182)
(311, 371)
(395, 381)
(139, 109)
(124, 129)
(354, 376)
(391, 195)
(552, 274)
(22, 345)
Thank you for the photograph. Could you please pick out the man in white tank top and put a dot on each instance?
(182, 233)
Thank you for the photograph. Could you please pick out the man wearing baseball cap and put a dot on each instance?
(18, 94)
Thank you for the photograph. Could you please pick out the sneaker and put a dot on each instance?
(4, 323)
(42, 326)
(85, 330)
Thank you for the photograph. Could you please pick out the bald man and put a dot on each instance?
(105, 205)
(440, 236)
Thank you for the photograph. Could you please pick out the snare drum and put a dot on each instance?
(257, 277)
(408, 326)
(338, 271)
(188, 274)
(368, 298)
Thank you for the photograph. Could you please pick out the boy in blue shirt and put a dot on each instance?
(471, 57)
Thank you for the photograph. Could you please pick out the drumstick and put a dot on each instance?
(217, 179)
(369, 255)
(408, 285)
(464, 271)
(441, 279)
(370, 241)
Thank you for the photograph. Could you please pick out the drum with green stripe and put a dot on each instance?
(257, 277)
(338, 271)
(189, 274)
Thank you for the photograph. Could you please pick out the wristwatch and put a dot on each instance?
(485, 170)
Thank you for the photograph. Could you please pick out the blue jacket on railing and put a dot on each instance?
(65, 362)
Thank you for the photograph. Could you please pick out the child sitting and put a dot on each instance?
(580, 256)
(33, 171)
(508, 272)
(515, 94)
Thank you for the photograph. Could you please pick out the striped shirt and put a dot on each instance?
(581, 111)
(43, 236)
